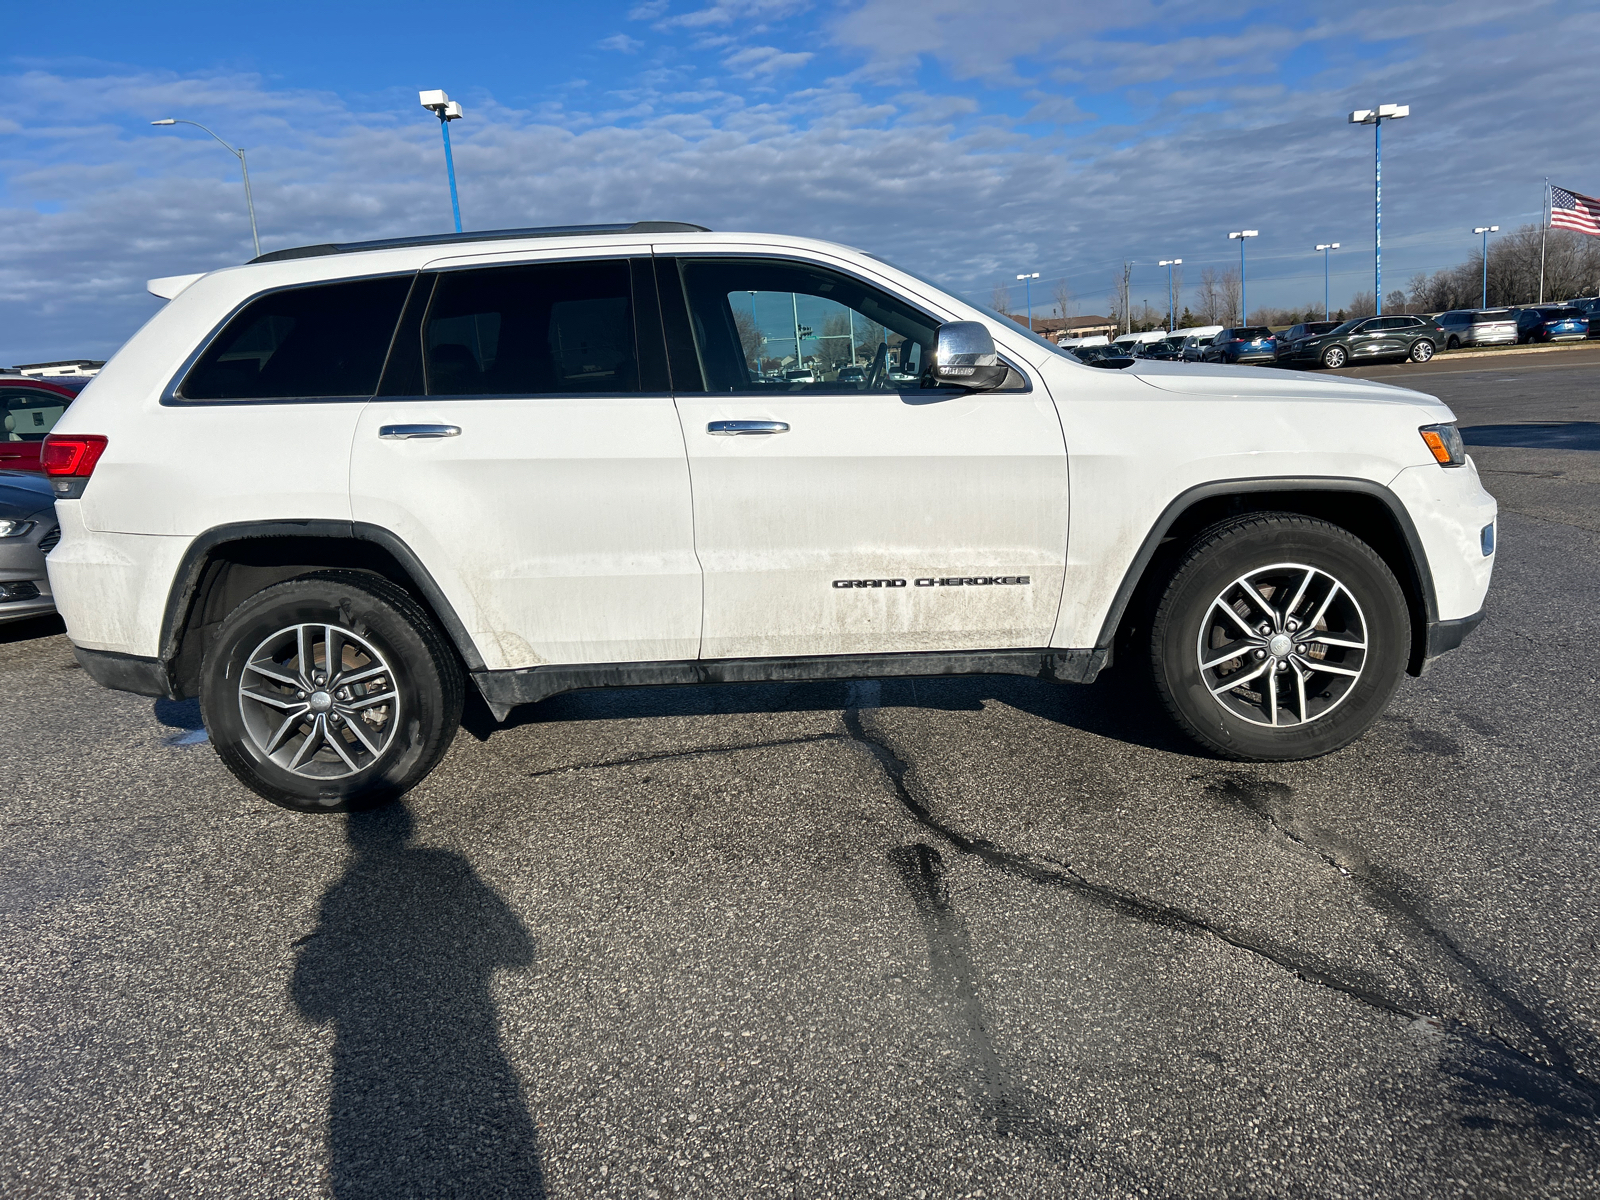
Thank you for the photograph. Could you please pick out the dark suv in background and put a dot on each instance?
(1299, 333)
(1246, 344)
(1364, 338)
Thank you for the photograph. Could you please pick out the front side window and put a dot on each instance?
(765, 325)
(538, 329)
(318, 342)
(29, 414)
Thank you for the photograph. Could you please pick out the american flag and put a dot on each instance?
(1568, 210)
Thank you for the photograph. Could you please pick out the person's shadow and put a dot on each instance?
(424, 1100)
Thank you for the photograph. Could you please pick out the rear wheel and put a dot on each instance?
(1279, 637)
(1335, 357)
(330, 692)
(1421, 350)
(1453, 344)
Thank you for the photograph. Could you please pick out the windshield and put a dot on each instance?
(1004, 321)
(1347, 326)
(1559, 314)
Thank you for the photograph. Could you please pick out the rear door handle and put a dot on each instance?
(400, 433)
(735, 428)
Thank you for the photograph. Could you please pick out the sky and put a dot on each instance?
(965, 141)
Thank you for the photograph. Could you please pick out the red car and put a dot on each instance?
(32, 407)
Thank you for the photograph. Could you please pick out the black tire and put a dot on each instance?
(1453, 344)
(374, 622)
(1267, 542)
(1335, 357)
(1421, 350)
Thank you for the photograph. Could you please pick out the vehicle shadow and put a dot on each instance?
(424, 1100)
(1555, 435)
(31, 629)
(1118, 705)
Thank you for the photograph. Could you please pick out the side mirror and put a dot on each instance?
(965, 356)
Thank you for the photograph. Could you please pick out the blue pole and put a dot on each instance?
(1484, 300)
(1377, 215)
(1244, 308)
(450, 169)
(1325, 285)
(1028, 286)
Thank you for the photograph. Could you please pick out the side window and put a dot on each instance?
(29, 415)
(315, 342)
(764, 325)
(539, 329)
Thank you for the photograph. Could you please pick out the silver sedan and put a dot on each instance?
(28, 531)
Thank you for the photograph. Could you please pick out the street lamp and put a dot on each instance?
(1172, 300)
(1325, 248)
(1244, 308)
(1376, 117)
(1028, 288)
(446, 110)
(1486, 230)
(239, 153)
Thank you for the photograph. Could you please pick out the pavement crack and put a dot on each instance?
(629, 760)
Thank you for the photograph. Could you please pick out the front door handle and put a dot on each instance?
(735, 428)
(400, 433)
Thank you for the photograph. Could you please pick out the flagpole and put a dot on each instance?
(1543, 233)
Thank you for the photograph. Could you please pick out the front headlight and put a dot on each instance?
(12, 528)
(1445, 443)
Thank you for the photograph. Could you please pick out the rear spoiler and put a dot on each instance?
(169, 286)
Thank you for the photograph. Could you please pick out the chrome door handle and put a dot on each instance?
(400, 433)
(734, 428)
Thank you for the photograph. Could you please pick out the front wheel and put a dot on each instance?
(330, 692)
(1335, 357)
(1421, 350)
(1280, 637)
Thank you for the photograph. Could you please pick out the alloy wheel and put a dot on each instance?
(1283, 645)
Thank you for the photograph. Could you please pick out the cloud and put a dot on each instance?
(765, 60)
(621, 43)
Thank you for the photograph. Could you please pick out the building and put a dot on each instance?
(1055, 328)
(73, 366)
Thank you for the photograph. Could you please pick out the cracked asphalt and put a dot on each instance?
(966, 937)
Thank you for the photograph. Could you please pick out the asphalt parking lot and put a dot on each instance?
(945, 938)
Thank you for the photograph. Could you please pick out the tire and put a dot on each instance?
(1279, 554)
(355, 747)
(1335, 357)
(1421, 350)
(1453, 344)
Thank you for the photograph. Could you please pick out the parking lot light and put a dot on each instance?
(238, 152)
(1172, 300)
(1486, 230)
(1028, 289)
(1241, 235)
(446, 110)
(1376, 117)
(1325, 247)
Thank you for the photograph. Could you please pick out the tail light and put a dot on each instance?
(68, 459)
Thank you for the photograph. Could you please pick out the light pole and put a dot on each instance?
(1486, 230)
(1325, 248)
(1172, 300)
(1376, 117)
(248, 199)
(1244, 308)
(1028, 289)
(446, 110)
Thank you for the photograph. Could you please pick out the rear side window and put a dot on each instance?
(317, 342)
(29, 415)
(541, 329)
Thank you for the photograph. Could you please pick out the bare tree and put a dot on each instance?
(1061, 295)
(1362, 305)
(1001, 300)
(1208, 297)
(1232, 294)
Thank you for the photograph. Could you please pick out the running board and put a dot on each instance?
(504, 690)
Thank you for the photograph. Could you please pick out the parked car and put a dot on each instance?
(1168, 349)
(1298, 333)
(1589, 306)
(32, 407)
(1370, 338)
(1478, 327)
(28, 531)
(330, 577)
(1244, 344)
(1110, 353)
(805, 375)
(852, 374)
(1552, 323)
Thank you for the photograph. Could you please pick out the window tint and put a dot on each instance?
(303, 343)
(541, 329)
(766, 325)
(29, 414)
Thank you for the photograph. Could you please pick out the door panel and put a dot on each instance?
(558, 519)
(885, 517)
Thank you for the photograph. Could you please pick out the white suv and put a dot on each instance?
(324, 489)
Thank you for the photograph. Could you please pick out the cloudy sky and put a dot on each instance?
(968, 141)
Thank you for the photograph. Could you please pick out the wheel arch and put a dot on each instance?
(229, 563)
(1365, 509)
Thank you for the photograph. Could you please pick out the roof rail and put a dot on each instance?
(487, 235)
